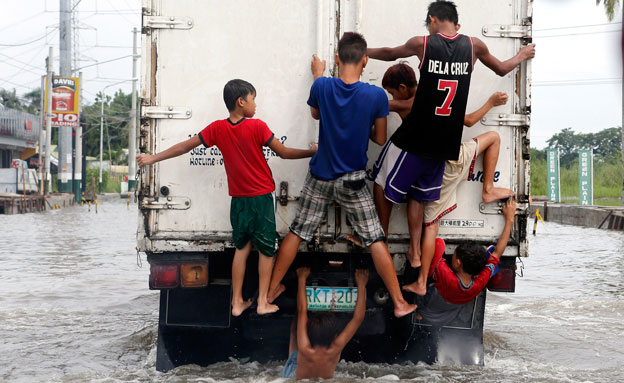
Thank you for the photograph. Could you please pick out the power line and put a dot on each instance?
(576, 26)
(29, 42)
(22, 68)
(21, 62)
(580, 82)
(579, 33)
(21, 21)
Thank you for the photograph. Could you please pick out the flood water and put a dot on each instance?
(75, 307)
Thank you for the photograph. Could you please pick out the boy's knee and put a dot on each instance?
(493, 137)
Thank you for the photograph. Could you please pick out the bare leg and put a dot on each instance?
(415, 211)
(292, 345)
(265, 265)
(428, 249)
(385, 269)
(490, 144)
(285, 257)
(238, 275)
(384, 207)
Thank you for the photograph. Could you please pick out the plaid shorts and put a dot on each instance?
(351, 193)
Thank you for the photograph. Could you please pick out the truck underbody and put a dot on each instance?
(196, 326)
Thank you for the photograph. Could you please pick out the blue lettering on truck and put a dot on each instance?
(212, 156)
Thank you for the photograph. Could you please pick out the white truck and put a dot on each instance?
(190, 49)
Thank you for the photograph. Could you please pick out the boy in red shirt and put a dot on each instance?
(250, 182)
(469, 270)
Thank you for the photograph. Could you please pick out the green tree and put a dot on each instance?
(610, 7)
(606, 144)
(32, 101)
(9, 99)
(29, 102)
(116, 123)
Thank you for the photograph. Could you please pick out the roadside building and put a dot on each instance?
(19, 136)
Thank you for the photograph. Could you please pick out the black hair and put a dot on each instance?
(398, 74)
(443, 10)
(235, 89)
(472, 256)
(351, 48)
(323, 328)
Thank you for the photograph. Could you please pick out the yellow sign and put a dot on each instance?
(65, 99)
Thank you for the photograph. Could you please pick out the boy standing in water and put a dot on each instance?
(431, 133)
(250, 183)
(346, 108)
(316, 341)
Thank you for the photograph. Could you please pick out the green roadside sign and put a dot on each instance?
(586, 177)
(554, 189)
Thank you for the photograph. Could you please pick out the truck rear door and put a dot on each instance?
(191, 48)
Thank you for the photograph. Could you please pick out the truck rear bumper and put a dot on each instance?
(250, 337)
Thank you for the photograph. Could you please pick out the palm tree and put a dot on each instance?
(610, 7)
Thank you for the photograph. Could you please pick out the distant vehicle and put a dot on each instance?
(190, 50)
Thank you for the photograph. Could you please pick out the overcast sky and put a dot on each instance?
(576, 74)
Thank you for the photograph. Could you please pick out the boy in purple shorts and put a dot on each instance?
(431, 133)
(346, 108)
(400, 81)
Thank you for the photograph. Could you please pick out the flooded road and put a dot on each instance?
(75, 307)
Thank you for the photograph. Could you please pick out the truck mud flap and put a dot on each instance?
(458, 342)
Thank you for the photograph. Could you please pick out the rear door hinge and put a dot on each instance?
(503, 119)
(166, 203)
(511, 31)
(283, 194)
(165, 22)
(166, 112)
(496, 207)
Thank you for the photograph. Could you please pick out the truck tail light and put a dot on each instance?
(163, 276)
(194, 275)
(504, 280)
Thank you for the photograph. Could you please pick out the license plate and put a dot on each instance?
(331, 298)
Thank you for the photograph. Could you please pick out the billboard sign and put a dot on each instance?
(65, 98)
(586, 177)
(553, 184)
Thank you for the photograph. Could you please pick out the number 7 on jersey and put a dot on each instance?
(451, 85)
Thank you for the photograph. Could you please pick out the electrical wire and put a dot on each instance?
(21, 21)
(29, 42)
(9, 58)
(590, 81)
(576, 26)
(577, 34)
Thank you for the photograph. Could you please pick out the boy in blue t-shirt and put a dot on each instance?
(346, 108)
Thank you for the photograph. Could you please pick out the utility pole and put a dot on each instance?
(48, 111)
(65, 132)
(42, 121)
(133, 118)
(101, 136)
(78, 160)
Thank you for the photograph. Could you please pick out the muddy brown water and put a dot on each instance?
(75, 307)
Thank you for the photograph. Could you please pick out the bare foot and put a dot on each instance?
(495, 194)
(266, 308)
(239, 307)
(355, 239)
(413, 257)
(273, 294)
(403, 309)
(416, 288)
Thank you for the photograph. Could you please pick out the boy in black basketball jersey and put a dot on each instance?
(414, 157)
